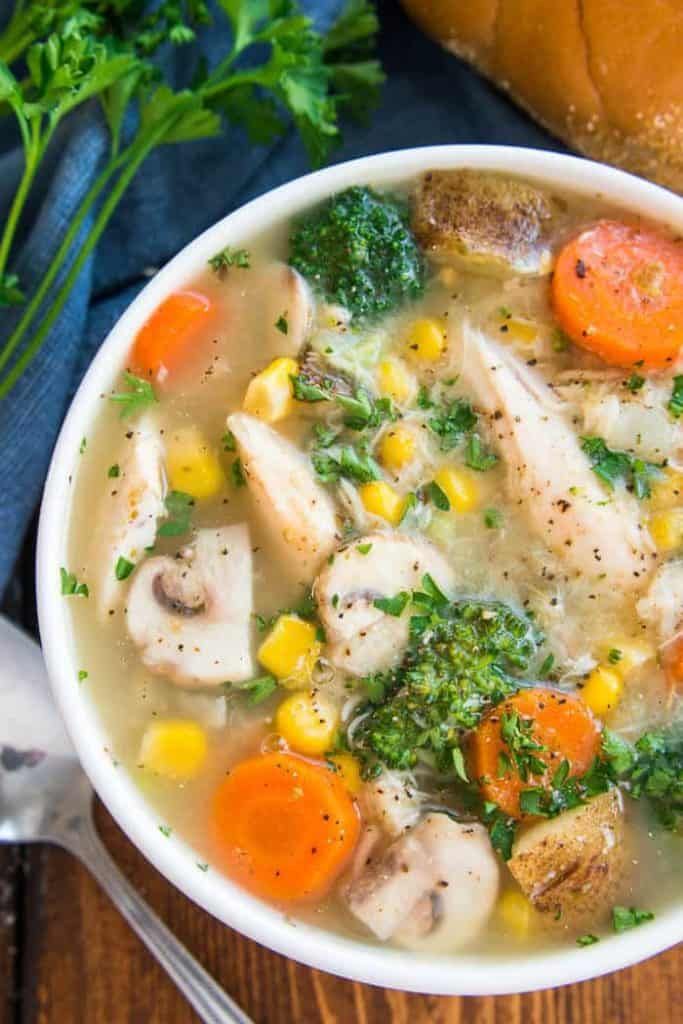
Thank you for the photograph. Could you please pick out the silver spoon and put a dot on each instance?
(45, 797)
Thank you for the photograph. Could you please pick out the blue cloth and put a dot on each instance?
(430, 97)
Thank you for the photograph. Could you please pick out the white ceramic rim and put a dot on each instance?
(391, 968)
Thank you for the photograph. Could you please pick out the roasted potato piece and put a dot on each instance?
(570, 867)
(495, 224)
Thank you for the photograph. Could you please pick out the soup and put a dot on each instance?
(374, 565)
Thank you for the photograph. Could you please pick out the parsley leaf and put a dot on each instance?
(140, 395)
(228, 441)
(260, 689)
(452, 422)
(476, 456)
(625, 918)
(438, 497)
(346, 462)
(179, 507)
(70, 587)
(229, 257)
(587, 940)
(281, 324)
(123, 568)
(114, 471)
(675, 404)
(237, 473)
(493, 518)
(393, 605)
(612, 466)
(635, 382)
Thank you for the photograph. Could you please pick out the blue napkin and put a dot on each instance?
(429, 98)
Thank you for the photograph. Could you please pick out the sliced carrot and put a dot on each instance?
(671, 656)
(563, 727)
(165, 341)
(617, 291)
(283, 826)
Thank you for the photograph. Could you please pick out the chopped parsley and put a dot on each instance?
(229, 257)
(179, 507)
(516, 732)
(615, 656)
(82, 675)
(166, 831)
(587, 940)
(364, 549)
(612, 466)
(438, 497)
(452, 422)
(393, 605)
(260, 689)
(83, 445)
(138, 397)
(625, 918)
(70, 587)
(237, 473)
(114, 471)
(281, 324)
(345, 462)
(634, 383)
(228, 441)
(493, 518)
(675, 403)
(123, 568)
(476, 455)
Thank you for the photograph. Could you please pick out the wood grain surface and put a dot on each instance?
(67, 957)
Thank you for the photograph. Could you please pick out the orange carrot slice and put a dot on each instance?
(617, 291)
(562, 726)
(284, 827)
(166, 340)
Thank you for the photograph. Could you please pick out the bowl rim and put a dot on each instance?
(173, 857)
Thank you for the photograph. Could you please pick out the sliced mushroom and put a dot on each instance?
(190, 616)
(432, 890)
(494, 223)
(298, 512)
(571, 866)
(361, 638)
(127, 519)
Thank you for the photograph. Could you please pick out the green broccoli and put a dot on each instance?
(358, 250)
(460, 661)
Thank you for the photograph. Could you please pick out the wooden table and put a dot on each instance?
(67, 957)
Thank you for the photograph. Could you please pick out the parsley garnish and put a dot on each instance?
(614, 656)
(140, 395)
(228, 257)
(675, 404)
(438, 497)
(281, 324)
(83, 445)
(228, 441)
(179, 506)
(625, 918)
(452, 422)
(166, 831)
(364, 549)
(114, 471)
(393, 605)
(516, 732)
(587, 940)
(260, 689)
(123, 568)
(82, 674)
(612, 466)
(493, 518)
(349, 462)
(634, 383)
(476, 456)
(237, 473)
(70, 586)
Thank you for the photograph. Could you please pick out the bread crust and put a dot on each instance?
(604, 75)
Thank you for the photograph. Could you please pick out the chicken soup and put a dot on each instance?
(375, 565)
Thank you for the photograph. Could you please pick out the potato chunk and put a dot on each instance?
(571, 866)
(495, 224)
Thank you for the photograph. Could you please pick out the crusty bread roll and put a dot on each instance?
(605, 75)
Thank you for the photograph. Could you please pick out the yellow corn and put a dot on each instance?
(382, 500)
(269, 395)
(521, 331)
(307, 722)
(667, 491)
(397, 447)
(631, 655)
(348, 768)
(290, 651)
(174, 747)
(666, 529)
(193, 466)
(395, 381)
(602, 690)
(426, 341)
(459, 488)
(516, 912)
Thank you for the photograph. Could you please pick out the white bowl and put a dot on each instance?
(457, 975)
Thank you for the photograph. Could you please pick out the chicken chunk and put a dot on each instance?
(550, 475)
(391, 802)
(662, 605)
(361, 638)
(571, 867)
(432, 890)
(127, 521)
(494, 224)
(190, 616)
(292, 504)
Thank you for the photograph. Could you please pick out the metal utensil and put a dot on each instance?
(45, 797)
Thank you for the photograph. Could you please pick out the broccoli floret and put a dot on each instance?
(357, 250)
(460, 661)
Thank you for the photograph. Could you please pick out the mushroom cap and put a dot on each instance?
(190, 616)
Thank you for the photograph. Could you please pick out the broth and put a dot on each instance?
(590, 634)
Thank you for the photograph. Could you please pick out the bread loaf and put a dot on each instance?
(604, 75)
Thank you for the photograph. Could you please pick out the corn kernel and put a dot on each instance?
(290, 651)
(459, 488)
(308, 722)
(348, 769)
(395, 381)
(667, 490)
(602, 690)
(192, 466)
(631, 655)
(426, 341)
(522, 331)
(269, 395)
(516, 912)
(382, 500)
(397, 447)
(174, 747)
(666, 529)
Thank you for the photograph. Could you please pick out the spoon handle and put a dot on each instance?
(210, 1002)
